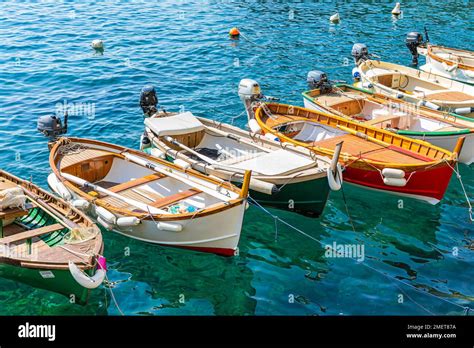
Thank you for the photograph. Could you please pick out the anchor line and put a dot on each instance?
(467, 309)
(458, 175)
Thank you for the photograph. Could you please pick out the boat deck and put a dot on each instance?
(372, 151)
(81, 155)
(453, 96)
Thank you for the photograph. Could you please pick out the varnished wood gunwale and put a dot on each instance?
(57, 205)
(434, 56)
(54, 158)
(280, 111)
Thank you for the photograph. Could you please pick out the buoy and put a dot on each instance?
(396, 10)
(335, 18)
(393, 173)
(97, 44)
(80, 204)
(234, 33)
(395, 182)
(182, 163)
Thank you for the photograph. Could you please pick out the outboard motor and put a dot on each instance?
(319, 80)
(413, 41)
(250, 94)
(51, 126)
(148, 100)
(360, 52)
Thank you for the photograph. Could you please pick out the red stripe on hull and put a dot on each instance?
(218, 251)
(430, 183)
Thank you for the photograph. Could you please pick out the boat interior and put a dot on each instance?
(229, 152)
(321, 130)
(357, 106)
(112, 172)
(453, 55)
(30, 234)
(418, 87)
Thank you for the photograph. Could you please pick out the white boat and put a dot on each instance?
(436, 127)
(417, 86)
(448, 62)
(147, 198)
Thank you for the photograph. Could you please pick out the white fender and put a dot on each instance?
(106, 215)
(84, 280)
(166, 226)
(335, 179)
(61, 190)
(128, 221)
(106, 225)
(430, 105)
(254, 127)
(157, 153)
(181, 163)
(393, 173)
(81, 204)
(395, 182)
(262, 186)
(464, 111)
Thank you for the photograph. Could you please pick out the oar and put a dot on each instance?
(142, 206)
(169, 172)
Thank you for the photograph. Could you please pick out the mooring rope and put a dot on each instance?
(391, 278)
(458, 175)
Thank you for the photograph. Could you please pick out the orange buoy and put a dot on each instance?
(234, 32)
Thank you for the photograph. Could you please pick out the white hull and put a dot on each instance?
(437, 68)
(217, 232)
(447, 142)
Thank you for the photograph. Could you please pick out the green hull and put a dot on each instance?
(307, 198)
(62, 283)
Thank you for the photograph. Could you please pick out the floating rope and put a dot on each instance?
(391, 278)
(463, 189)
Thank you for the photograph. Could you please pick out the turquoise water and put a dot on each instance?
(183, 49)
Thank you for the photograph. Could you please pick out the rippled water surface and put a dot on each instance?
(183, 49)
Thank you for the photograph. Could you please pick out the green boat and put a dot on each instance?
(47, 243)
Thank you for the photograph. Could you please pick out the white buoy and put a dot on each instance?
(335, 18)
(97, 44)
(397, 10)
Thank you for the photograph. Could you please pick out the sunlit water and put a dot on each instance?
(184, 50)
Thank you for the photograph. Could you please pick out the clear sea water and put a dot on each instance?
(183, 49)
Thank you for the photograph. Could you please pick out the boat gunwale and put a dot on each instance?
(29, 189)
(357, 125)
(215, 208)
(461, 131)
(431, 54)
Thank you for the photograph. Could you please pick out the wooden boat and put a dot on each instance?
(45, 242)
(448, 62)
(148, 198)
(283, 177)
(438, 128)
(418, 87)
(372, 157)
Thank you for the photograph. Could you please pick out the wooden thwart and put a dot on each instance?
(175, 198)
(32, 233)
(137, 182)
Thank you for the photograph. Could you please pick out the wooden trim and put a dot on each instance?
(32, 233)
(165, 201)
(448, 62)
(134, 183)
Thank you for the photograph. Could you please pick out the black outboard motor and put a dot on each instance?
(148, 100)
(319, 80)
(51, 126)
(413, 41)
(360, 52)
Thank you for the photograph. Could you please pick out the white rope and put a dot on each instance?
(463, 189)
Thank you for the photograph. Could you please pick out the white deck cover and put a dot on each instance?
(280, 162)
(174, 125)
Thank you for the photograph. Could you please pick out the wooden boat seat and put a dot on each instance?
(31, 234)
(136, 182)
(175, 198)
(12, 213)
(447, 95)
(382, 119)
